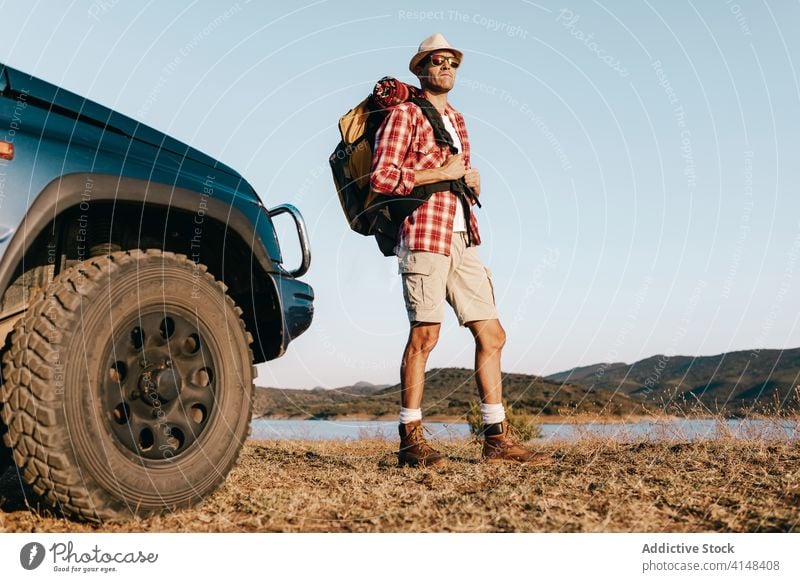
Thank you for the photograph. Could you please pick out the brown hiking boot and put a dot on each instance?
(415, 450)
(499, 446)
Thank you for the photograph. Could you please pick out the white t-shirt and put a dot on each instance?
(459, 225)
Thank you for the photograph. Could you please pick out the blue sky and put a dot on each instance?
(639, 159)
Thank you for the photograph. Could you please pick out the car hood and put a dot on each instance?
(48, 96)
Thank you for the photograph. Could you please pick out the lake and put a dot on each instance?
(672, 429)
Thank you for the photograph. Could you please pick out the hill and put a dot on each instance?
(740, 382)
(448, 393)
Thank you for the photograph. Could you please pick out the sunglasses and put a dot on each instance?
(439, 60)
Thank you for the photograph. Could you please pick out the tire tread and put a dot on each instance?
(30, 408)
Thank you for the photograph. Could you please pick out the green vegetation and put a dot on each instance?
(736, 384)
(739, 383)
(448, 393)
(524, 425)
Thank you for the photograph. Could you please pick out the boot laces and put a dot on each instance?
(417, 438)
(512, 436)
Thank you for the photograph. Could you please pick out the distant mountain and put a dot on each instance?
(287, 402)
(448, 392)
(363, 388)
(357, 388)
(735, 382)
(582, 372)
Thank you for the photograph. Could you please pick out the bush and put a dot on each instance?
(524, 425)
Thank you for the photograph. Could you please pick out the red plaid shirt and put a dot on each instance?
(405, 143)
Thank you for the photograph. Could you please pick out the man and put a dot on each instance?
(438, 258)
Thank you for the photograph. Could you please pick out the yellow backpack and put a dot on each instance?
(368, 212)
(351, 163)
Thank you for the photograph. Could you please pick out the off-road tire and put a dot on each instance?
(5, 452)
(6, 459)
(76, 423)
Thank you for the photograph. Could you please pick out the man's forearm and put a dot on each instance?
(429, 176)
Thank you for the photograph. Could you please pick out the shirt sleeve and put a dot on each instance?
(392, 143)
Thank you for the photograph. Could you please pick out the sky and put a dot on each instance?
(639, 160)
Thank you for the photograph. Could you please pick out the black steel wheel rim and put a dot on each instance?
(158, 383)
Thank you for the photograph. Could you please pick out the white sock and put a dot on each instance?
(410, 415)
(492, 413)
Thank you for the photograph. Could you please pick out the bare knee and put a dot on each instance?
(423, 338)
(489, 336)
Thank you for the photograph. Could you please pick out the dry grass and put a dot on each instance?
(723, 485)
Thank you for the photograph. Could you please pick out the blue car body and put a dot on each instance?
(82, 177)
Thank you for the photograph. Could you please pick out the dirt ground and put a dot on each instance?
(595, 485)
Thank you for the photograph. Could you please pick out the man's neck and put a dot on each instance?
(438, 100)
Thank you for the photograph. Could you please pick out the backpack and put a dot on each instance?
(370, 213)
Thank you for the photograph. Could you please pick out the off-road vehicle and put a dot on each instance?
(140, 281)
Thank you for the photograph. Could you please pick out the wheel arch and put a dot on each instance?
(144, 214)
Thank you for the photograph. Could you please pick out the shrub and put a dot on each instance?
(523, 424)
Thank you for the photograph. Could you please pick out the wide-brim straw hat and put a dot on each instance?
(435, 42)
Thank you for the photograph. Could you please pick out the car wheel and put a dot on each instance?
(128, 386)
(5, 452)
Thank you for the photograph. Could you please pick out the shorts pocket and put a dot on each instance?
(411, 262)
(415, 270)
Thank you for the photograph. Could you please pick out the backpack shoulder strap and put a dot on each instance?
(444, 139)
(440, 134)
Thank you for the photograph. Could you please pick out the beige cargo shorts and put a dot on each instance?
(430, 279)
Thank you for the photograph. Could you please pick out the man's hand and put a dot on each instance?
(454, 168)
(473, 179)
